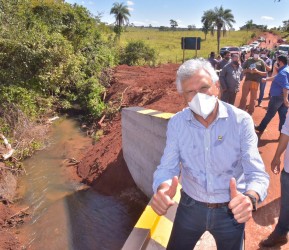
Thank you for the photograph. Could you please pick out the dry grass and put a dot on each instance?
(168, 43)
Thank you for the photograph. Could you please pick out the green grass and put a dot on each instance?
(168, 43)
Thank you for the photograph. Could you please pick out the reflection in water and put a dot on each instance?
(63, 216)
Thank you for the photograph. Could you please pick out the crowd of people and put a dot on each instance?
(261, 66)
(212, 149)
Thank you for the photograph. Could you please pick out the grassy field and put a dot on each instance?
(168, 43)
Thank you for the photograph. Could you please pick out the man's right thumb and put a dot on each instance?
(233, 188)
(173, 188)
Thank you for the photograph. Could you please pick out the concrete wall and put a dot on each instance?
(143, 142)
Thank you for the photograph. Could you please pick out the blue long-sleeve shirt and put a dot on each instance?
(280, 82)
(208, 158)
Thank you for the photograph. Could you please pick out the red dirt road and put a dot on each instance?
(155, 88)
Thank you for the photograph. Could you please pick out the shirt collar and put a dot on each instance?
(283, 67)
(222, 112)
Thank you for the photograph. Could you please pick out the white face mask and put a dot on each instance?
(256, 56)
(203, 104)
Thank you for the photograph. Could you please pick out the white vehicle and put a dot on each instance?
(283, 48)
(256, 43)
(243, 49)
(248, 48)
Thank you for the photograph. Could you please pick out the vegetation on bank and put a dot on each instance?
(52, 55)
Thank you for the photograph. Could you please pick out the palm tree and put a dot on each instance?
(221, 19)
(121, 13)
(207, 20)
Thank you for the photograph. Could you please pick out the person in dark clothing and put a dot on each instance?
(243, 57)
(212, 60)
(225, 61)
(268, 65)
(230, 78)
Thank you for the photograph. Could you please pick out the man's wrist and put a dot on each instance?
(253, 200)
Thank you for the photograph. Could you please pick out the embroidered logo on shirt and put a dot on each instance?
(220, 138)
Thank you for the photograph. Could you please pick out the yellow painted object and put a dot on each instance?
(156, 113)
(161, 232)
(154, 228)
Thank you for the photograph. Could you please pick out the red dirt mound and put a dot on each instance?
(131, 86)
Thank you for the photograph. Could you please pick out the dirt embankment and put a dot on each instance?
(131, 86)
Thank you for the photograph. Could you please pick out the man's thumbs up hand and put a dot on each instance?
(240, 204)
(163, 198)
(173, 188)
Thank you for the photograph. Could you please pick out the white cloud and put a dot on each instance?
(130, 9)
(129, 3)
(267, 18)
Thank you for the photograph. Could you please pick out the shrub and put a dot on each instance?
(253, 35)
(138, 53)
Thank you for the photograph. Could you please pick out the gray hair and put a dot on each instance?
(190, 67)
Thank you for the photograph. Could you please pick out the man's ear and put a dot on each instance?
(218, 89)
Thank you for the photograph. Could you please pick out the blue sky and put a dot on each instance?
(189, 12)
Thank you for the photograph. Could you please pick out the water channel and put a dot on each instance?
(64, 213)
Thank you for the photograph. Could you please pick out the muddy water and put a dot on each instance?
(66, 214)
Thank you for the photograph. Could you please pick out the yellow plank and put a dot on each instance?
(162, 232)
(148, 220)
(155, 113)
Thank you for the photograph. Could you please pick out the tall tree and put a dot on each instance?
(173, 24)
(207, 20)
(221, 20)
(286, 25)
(121, 14)
(249, 25)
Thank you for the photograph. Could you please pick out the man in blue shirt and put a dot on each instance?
(278, 95)
(213, 147)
